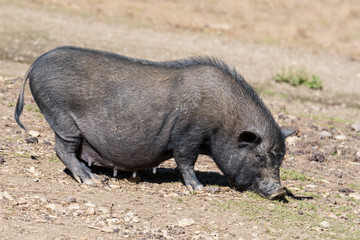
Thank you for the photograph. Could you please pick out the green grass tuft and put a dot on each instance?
(298, 78)
(290, 174)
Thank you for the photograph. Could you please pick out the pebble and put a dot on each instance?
(70, 199)
(186, 222)
(31, 140)
(105, 210)
(73, 206)
(2, 160)
(136, 219)
(292, 140)
(107, 229)
(317, 157)
(355, 196)
(7, 196)
(341, 137)
(212, 189)
(325, 224)
(54, 207)
(357, 156)
(90, 211)
(338, 174)
(43, 199)
(34, 133)
(325, 134)
(21, 201)
(356, 126)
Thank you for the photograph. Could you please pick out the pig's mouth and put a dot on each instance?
(278, 195)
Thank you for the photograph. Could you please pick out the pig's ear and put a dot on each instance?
(248, 137)
(287, 132)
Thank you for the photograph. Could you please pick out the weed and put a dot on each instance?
(180, 200)
(54, 159)
(255, 196)
(24, 155)
(298, 78)
(32, 108)
(355, 185)
(11, 104)
(306, 206)
(12, 138)
(290, 174)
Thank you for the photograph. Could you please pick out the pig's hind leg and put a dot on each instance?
(66, 150)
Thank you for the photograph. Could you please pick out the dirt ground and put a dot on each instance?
(39, 200)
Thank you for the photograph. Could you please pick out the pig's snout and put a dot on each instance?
(279, 194)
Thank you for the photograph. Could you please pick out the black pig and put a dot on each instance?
(130, 114)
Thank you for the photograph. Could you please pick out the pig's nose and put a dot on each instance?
(280, 193)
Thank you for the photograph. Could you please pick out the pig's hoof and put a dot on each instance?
(195, 187)
(90, 182)
(83, 174)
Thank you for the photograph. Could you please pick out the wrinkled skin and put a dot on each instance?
(130, 114)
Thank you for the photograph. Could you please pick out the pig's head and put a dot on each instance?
(256, 164)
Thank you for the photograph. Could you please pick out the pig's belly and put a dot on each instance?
(122, 162)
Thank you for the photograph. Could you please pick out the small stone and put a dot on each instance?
(340, 137)
(356, 127)
(73, 206)
(54, 207)
(172, 194)
(136, 219)
(90, 211)
(21, 201)
(90, 204)
(78, 213)
(325, 134)
(70, 199)
(127, 218)
(355, 196)
(34, 133)
(7, 196)
(2, 159)
(291, 141)
(343, 216)
(357, 156)
(346, 191)
(104, 210)
(107, 229)
(318, 157)
(338, 174)
(32, 169)
(31, 140)
(212, 189)
(43, 199)
(325, 224)
(186, 222)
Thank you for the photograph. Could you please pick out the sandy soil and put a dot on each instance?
(39, 200)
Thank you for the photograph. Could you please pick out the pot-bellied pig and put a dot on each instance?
(130, 114)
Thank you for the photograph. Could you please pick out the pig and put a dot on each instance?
(130, 114)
